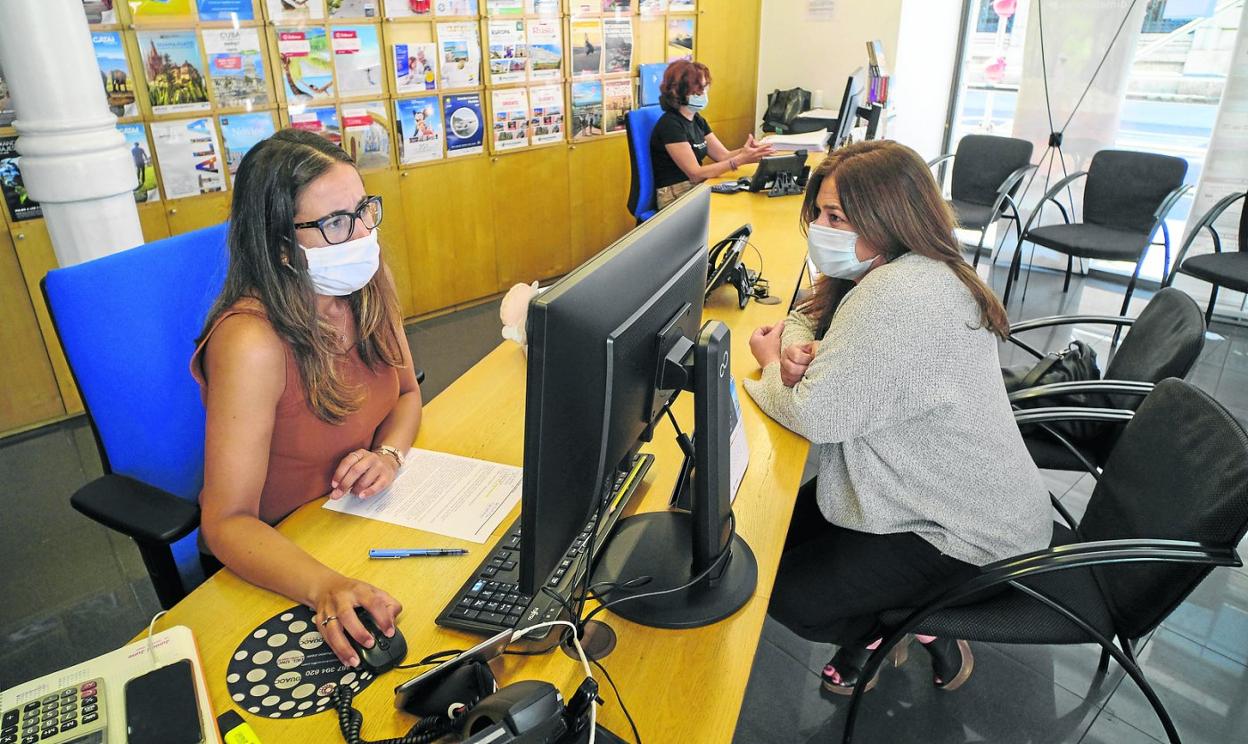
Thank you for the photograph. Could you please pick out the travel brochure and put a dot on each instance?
(190, 164)
(586, 41)
(504, 7)
(545, 39)
(546, 103)
(366, 134)
(173, 68)
(586, 108)
(460, 61)
(408, 8)
(21, 206)
(322, 120)
(419, 126)
(511, 118)
(110, 57)
(652, 7)
(617, 101)
(682, 6)
(465, 131)
(161, 10)
(415, 67)
(287, 11)
(455, 8)
(99, 11)
(618, 40)
(241, 132)
(7, 114)
(508, 52)
(236, 67)
(305, 58)
(225, 10)
(546, 8)
(357, 59)
(354, 8)
(679, 39)
(621, 7)
(144, 166)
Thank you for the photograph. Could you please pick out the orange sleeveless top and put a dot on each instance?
(305, 451)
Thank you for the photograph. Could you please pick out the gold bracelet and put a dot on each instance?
(386, 449)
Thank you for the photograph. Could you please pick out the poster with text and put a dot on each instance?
(511, 118)
(617, 98)
(682, 6)
(455, 7)
(322, 120)
(509, 54)
(618, 7)
(304, 55)
(160, 10)
(408, 8)
(190, 164)
(418, 122)
(679, 39)
(652, 7)
(545, 49)
(110, 57)
(545, 8)
(415, 67)
(618, 39)
(99, 11)
(287, 11)
(225, 10)
(366, 134)
(21, 206)
(586, 41)
(465, 129)
(495, 8)
(460, 58)
(241, 132)
(174, 71)
(580, 8)
(586, 108)
(236, 67)
(546, 105)
(357, 59)
(354, 8)
(144, 165)
(7, 114)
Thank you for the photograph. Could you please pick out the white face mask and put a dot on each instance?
(832, 252)
(339, 270)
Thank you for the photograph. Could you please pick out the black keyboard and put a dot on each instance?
(491, 600)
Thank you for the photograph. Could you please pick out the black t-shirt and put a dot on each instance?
(670, 129)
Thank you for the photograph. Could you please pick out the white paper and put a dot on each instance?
(190, 163)
(738, 446)
(460, 62)
(445, 494)
(815, 141)
(819, 113)
(511, 118)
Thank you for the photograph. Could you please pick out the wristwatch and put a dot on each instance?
(386, 449)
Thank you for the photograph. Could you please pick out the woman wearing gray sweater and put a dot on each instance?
(891, 371)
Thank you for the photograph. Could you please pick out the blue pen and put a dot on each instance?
(414, 552)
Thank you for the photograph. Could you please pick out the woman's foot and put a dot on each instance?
(841, 674)
(952, 662)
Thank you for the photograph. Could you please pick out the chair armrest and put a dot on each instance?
(1070, 413)
(1127, 387)
(1051, 195)
(938, 160)
(1056, 320)
(1171, 199)
(136, 509)
(1205, 223)
(1012, 180)
(1066, 517)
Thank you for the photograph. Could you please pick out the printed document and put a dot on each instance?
(445, 494)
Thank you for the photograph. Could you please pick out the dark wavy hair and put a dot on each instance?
(890, 197)
(267, 264)
(681, 78)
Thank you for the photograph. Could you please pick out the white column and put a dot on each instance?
(74, 162)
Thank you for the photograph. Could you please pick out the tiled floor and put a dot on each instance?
(72, 590)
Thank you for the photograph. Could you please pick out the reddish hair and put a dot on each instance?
(681, 78)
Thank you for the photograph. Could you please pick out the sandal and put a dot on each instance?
(952, 662)
(841, 674)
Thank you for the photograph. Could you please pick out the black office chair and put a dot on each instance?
(1172, 502)
(1165, 341)
(987, 172)
(1126, 199)
(1220, 269)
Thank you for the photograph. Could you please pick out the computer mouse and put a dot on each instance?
(744, 182)
(385, 653)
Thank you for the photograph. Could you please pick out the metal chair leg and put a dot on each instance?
(1070, 262)
(1165, 234)
(1011, 274)
(983, 231)
(1103, 665)
(1213, 298)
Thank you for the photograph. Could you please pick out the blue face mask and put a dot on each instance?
(697, 103)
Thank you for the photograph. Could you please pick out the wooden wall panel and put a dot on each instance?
(529, 202)
(599, 179)
(393, 234)
(28, 389)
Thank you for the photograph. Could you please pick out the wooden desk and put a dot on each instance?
(680, 685)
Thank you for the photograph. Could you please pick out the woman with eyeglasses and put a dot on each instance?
(306, 375)
(682, 139)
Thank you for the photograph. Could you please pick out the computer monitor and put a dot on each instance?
(847, 115)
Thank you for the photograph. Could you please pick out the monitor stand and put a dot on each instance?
(673, 547)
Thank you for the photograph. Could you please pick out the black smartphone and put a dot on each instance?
(162, 707)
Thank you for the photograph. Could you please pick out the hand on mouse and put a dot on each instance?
(337, 599)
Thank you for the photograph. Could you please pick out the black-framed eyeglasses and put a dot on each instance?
(338, 227)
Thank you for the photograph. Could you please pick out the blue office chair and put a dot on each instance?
(128, 324)
(640, 125)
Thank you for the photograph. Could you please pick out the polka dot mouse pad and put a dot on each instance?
(285, 669)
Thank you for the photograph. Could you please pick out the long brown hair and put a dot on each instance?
(890, 197)
(262, 241)
(680, 79)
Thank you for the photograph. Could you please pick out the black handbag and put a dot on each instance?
(1076, 362)
(783, 106)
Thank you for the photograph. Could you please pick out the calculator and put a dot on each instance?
(74, 715)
